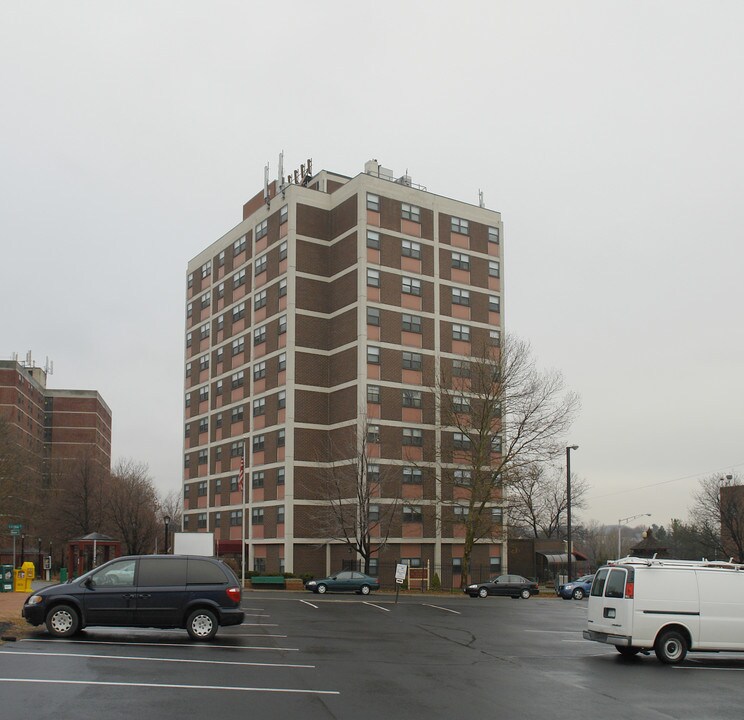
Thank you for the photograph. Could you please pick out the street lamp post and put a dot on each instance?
(568, 508)
(620, 527)
(166, 522)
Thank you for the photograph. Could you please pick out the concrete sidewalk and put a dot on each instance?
(12, 602)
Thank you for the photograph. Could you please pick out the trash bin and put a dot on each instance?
(6, 578)
(63, 575)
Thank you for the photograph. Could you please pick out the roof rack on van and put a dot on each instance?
(671, 562)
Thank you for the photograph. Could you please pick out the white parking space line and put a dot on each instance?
(259, 625)
(152, 659)
(181, 645)
(309, 603)
(170, 686)
(254, 615)
(693, 667)
(259, 635)
(439, 607)
(379, 607)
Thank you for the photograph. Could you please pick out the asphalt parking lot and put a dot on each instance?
(338, 656)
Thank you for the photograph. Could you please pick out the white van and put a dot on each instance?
(670, 606)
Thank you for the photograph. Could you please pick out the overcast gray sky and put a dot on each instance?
(610, 135)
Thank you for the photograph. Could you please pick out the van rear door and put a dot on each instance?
(609, 610)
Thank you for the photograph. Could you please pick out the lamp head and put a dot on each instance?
(572, 447)
(166, 519)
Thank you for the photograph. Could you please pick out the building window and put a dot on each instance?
(413, 436)
(373, 355)
(187, 430)
(259, 335)
(203, 394)
(218, 487)
(373, 472)
(411, 323)
(233, 483)
(259, 564)
(463, 477)
(203, 457)
(497, 515)
(412, 398)
(186, 461)
(262, 229)
(374, 394)
(412, 361)
(460, 512)
(259, 370)
(374, 513)
(282, 287)
(282, 365)
(373, 434)
(257, 517)
(221, 291)
(236, 414)
(236, 516)
(412, 476)
(458, 225)
(190, 280)
(495, 566)
(220, 322)
(281, 438)
(283, 250)
(188, 369)
(189, 310)
(189, 340)
(373, 239)
(238, 346)
(219, 354)
(282, 324)
(261, 264)
(259, 300)
(281, 399)
(203, 425)
(257, 481)
(373, 278)
(461, 332)
(494, 303)
(460, 441)
(460, 404)
(460, 368)
(206, 300)
(411, 286)
(218, 420)
(460, 296)
(206, 269)
(496, 443)
(201, 488)
(493, 235)
(217, 519)
(204, 331)
(280, 515)
(238, 312)
(188, 399)
(283, 214)
(238, 278)
(411, 249)
(239, 245)
(373, 316)
(460, 261)
(456, 566)
(495, 337)
(494, 268)
(410, 212)
(237, 379)
(259, 407)
(218, 387)
(259, 443)
(412, 513)
(373, 202)
(280, 475)
(201, 520)
(236, 449)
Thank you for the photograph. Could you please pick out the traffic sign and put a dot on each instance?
(400, 573)
(15, 529)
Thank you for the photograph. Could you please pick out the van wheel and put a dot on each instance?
(202, 625)
(626, 651)
(671, 647)
(62, 621)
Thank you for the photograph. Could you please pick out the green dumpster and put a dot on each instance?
(63, 575)
(6, 578)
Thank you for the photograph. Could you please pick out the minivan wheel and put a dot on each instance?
(322, 589)
(202, 625)
(482, 592)
(364, 589)
(578, 594)
(671, 647)
(525, 594)
(62, 621)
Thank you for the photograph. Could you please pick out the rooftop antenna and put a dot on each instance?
(28, 358)
(49, 366)
(480, 199)
(280, 174)
(267, 200)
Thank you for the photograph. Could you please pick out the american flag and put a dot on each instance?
(241, 474)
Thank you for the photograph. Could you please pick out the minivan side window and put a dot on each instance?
(204, 572)
(599, 583)
(616, 584)
(116, 574)
(162, 572)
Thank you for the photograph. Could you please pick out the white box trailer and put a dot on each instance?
(670, 606)
(193, 543)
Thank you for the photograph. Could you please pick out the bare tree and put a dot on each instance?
(538, 500)
(598, 540)
(359, 496)
(132, 505)
(499, 416)
(719, 512)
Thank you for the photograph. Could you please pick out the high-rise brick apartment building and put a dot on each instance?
(325, 311)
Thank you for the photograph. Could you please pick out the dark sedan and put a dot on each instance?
(514, 586)
(344, 581)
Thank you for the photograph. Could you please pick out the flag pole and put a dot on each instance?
(241, 479)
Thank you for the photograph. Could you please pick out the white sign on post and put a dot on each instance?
(400, 573)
